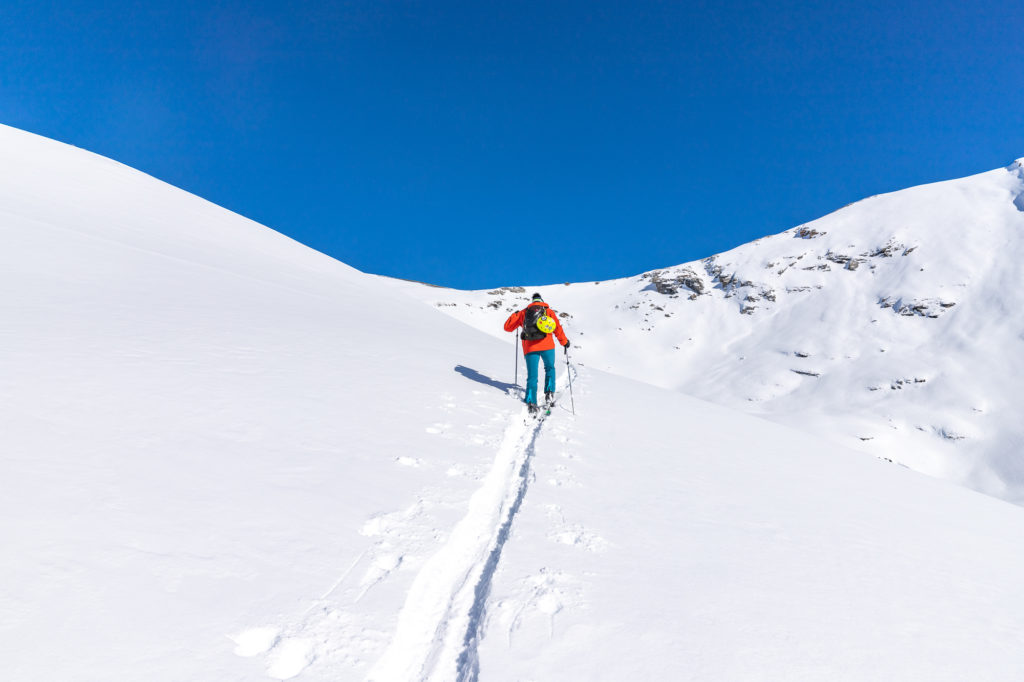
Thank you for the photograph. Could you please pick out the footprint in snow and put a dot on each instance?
(577, 536)
(547, 594)
(573, 534)
(255, 641)
(381, 566)
(392, 522)
(550, 603)
(562, 477)
(290, 657)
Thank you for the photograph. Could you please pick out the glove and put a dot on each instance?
(566, 346)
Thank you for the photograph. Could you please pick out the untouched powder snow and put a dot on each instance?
(228, 457)
(889, 326)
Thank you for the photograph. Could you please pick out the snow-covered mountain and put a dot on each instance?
(228, 457)
(890, 326)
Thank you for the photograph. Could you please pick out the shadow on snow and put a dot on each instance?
(476, 376)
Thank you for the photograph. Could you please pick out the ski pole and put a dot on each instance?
(568, 373)
(515, 347)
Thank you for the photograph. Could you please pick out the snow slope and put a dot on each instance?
(666, 538)
(228, 457)
(201, 418)
(888, 326)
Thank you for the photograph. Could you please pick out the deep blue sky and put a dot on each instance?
(475, 144)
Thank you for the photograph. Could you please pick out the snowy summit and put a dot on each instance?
(229, 457)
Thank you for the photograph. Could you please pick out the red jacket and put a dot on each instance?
(515, 320)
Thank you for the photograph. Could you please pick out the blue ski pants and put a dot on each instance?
(532, 366)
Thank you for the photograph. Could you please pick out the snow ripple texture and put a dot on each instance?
(440, 625)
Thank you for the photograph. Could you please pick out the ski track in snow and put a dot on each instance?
(441, 624)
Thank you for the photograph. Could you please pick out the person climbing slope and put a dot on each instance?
(539, 323)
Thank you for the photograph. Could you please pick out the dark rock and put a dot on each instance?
(929, 307)
(887, 251)
(669, 284)
(950, 435)
(805, 232)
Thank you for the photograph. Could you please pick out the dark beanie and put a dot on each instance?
(536, 297)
